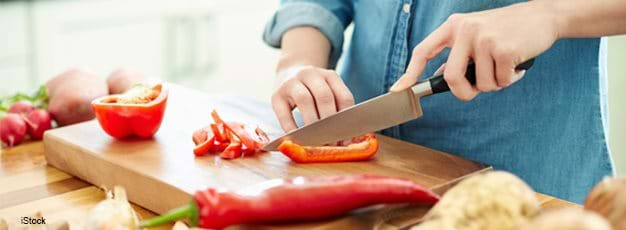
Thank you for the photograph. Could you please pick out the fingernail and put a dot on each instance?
(394, 87)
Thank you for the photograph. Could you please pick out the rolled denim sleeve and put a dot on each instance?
(331, 17)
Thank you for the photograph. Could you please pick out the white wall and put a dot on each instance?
(617, 101)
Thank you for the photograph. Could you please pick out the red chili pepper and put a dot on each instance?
(361, 148)
(120, 117)
(230, 138)
(300, 198)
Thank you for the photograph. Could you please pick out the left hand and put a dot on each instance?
(496, 40)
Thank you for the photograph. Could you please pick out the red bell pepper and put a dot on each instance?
(300, 198)
(230, 138)
(361, 148)
(139, 112)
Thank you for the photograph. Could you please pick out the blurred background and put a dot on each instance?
(211, 45)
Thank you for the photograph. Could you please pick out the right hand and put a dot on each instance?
(316, 92)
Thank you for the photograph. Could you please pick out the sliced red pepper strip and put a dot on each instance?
(362, 149)
(218, 131)
(232, 151)
(219, 146)
(216, 117)
(243, 135)
(204, 147)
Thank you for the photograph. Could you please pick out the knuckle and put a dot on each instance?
(325, 97)
(455, 18)
(503, 53)
(485, 41)
(301, 96)
(451, 77)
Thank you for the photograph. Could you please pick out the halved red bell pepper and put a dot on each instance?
(361, 148)
(138, 112)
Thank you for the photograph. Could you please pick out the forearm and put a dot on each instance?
(585, 18)
(304, 46)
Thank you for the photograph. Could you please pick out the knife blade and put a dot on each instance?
(375, 114)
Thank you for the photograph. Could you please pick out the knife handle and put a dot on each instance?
(439, 85)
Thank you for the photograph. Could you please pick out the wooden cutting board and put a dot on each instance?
(162, 173)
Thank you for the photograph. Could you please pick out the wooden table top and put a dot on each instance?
(28, 185)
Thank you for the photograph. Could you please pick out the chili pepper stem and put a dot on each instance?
(188, 212)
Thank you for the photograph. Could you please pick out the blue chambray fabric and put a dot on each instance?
(548, 128)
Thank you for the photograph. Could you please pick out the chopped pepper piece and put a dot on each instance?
(230, 138)
(361, 148)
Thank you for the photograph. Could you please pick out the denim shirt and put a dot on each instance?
(548, 128)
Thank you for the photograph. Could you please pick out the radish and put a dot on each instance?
(38, 121)
(12, 129)
(21, 107)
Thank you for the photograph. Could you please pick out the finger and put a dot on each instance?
(440, 69)
(505, 68)
(322, 95)
(456, 66)
(303, 100)
(283, 109)
(485, 76)
(422, 53)
(343, 96)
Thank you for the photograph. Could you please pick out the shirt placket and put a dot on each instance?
(399, 53)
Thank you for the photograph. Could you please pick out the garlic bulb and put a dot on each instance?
(113, 213)
(492, 200)
(608, 198)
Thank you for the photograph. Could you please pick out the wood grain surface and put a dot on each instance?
(29, 185)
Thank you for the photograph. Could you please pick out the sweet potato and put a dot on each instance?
(71, 93)
(121, 80)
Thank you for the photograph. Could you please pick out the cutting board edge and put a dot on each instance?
(143, 190)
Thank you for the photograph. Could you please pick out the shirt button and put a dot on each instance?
(406, 8)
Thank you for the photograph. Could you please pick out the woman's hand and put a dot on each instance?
(315, 91)
(496, 40)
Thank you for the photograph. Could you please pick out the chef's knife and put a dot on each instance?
(375, 114)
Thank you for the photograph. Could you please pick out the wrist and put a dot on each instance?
(557, 16)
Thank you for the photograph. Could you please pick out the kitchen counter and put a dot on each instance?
(29, 185)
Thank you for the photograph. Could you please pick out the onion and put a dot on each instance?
(608, 198)
(113, 213)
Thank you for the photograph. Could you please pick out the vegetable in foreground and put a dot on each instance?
(300, 198)
(113, 213)
(138, 112)
(360, 148)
